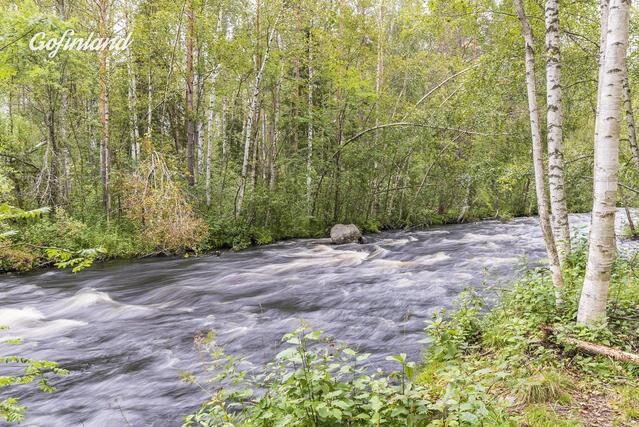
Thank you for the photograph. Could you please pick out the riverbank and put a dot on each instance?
(37, 239)
(494, 368)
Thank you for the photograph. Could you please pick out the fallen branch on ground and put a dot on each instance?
(592, 348)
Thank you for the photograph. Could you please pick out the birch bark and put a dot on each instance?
(190, 125)
(601, 249)
(537, 151)
(559, 218)
(311, 130)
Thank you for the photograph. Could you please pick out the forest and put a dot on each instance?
(195, 155)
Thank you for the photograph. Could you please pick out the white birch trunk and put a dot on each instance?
(601, 249)
(558, 207)
(209, 147)
(311, 131)
(133, 115)
(132, 93)
(225, 147)
(537, 152)
(603, 20)
(249, 126)
(149, 108)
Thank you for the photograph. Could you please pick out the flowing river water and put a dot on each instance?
(125, 330)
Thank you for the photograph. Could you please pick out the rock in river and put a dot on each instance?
(341, 233)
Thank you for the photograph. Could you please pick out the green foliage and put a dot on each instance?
(22, 371)
(509, 342)
(25, 246)
(335, 69)
(318, 382)
(450, 336)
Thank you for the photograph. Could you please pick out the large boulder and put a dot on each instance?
(345, 233)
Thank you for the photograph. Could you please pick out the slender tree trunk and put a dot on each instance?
(250, 117)
(630, 120)
(104, 109)
(379, 75)
(133, 115)
(537, 152)
(209, 146)
(311, 130)
(225, 147)
(54, 172)
(10, 90)
(190, 126)
(601, 249)
(631, 223)
(149, 107)
(132, 92)
(554, 131)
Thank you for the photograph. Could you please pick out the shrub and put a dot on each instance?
(318, 382)
(154, 201)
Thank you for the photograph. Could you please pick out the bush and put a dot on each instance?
(160, 208)
(318, 382)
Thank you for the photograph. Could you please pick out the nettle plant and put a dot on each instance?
(315, 381)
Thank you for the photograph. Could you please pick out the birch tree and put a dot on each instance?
(311, 130)
(537, 151)
(190, 125)
(561, 230)
(250, 116)
(601, 248)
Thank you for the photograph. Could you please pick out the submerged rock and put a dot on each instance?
(345, 233)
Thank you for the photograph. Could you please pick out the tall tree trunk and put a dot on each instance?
(379, 75)
(554, 131)
(311, 130)
(190, 126)
(225, 147)
(133, 111)
(149, 106)
(250, 117)
(601, 249)
(132, 91)
(603, 20)
(104, 108)
(209, 146)
(537, 152)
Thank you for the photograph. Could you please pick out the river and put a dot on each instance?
(126, 330)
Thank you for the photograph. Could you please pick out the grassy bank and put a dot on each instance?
(492, 368)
